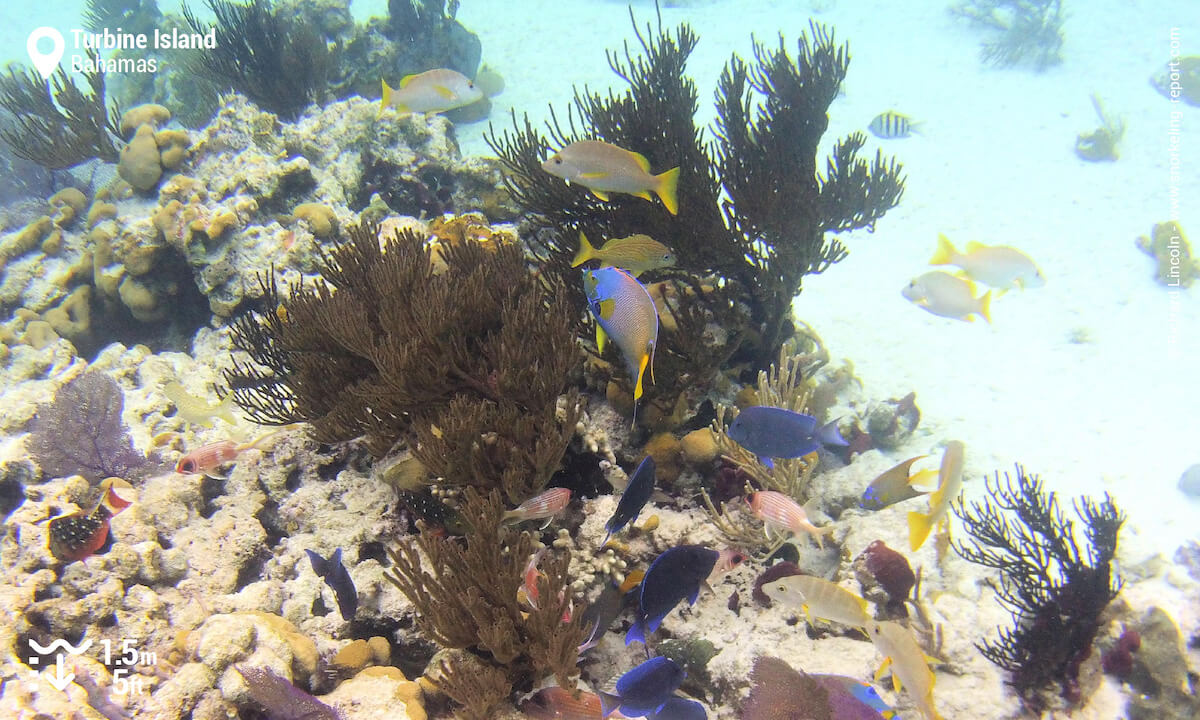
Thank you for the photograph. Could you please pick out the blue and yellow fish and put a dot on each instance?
(624, 311)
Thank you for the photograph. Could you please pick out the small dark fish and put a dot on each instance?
(77, 535)
(639, 490)
(892, 125)
(771, 432)
(599, 616)
(644, 689)
(675, 575)
(678, 708)
(338, 579)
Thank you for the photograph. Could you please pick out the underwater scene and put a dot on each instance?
(581, 359)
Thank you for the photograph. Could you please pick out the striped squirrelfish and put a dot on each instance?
(891, 125)
(75, 536)
(909, 667)
(949, 486)
(556, 703)
(207, 458)
(604, 168)
(543, 506)
(1000, 266)
(820, 599)
(432, 91)
(948, 296)
(636, 253)
(625, 311)
(780, 511)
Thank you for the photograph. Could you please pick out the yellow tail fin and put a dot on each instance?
(918, 530)
(945, 252)
(385, 99)
(586, 251)
(667, 190)
(985, 304)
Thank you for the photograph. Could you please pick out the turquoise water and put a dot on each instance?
(1089, 381)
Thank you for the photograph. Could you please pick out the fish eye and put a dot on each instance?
(557, 160)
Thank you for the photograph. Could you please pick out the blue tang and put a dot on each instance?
(678, 708)
(625, 312)
(674, 575)
(639, 490)
(771, 432)
(644, 689)
(338, 579)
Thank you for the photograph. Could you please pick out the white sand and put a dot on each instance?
(995, 164)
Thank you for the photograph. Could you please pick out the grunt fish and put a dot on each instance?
(948, 296)
(604, 168)
(999, 266)
(432, 91)
(909, 667)
(636, 253)
(820, 599)
(197, 410)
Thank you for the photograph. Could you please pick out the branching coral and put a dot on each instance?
(277, 62)
(1055, 591)
(466, 365)
(465, 593)
(741, 258)
(1021, 30)
(60, 128)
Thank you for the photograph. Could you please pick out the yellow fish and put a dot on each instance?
(604, 168)
(820, 599)
(948, 296)
(949, 486)
(636, 253)
(432, 91)
(1000, 266)
(910, 668)
(197, 410)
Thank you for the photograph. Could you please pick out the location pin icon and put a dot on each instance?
(45, 62)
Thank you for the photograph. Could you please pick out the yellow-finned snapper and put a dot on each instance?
(892, 125)
(636, 253)
(197, 410)
(820, 599)
(944, 294)
(432, 91)
(1000, 266)
(949, 486)
(603, 168)
(624, 311)
(910, 669)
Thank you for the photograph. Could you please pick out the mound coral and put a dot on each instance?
(1055, 591)
(466, 366)
(754, 210)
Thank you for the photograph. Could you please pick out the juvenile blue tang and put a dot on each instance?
(624, 311)
(639, 490)
(771, 432)
(338, 579)
(678, 708)
(644, 689)
(675, 575)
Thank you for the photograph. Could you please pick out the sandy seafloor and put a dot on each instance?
(1117, 412)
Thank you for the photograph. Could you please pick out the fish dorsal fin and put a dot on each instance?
(641, 160)
(973, 246)
(404, 81)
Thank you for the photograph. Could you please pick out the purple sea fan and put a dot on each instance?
(778, 692)
(81, 432)
(282, 700)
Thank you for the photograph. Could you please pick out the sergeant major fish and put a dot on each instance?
(604, 168)
(892, 125)
(432, 91)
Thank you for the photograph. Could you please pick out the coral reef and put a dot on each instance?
(465, 594)
(1055, 591)
(59, 128)
(465, 366)
(740, 261)
(1019, 30)
(1100, 145)
(1176, 266)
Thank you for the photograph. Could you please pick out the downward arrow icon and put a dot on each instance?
(58, 680)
